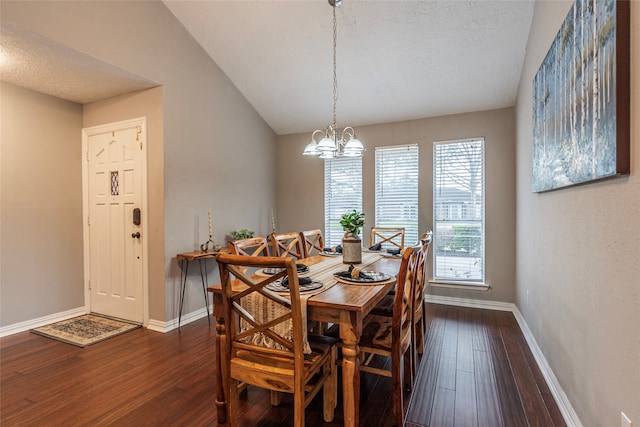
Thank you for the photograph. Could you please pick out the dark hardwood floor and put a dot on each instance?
(477, 371)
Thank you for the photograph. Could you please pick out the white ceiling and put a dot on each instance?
(397, 60)
(32, 61)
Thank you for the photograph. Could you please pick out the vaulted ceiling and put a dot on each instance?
(396, 60)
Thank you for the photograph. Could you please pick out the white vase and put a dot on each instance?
(351, 248)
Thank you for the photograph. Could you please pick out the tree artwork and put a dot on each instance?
(581, 98)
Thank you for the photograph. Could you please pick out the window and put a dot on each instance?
(458, 211)
(342, 194)
(397, 189)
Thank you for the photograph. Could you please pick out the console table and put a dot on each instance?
(184, 259)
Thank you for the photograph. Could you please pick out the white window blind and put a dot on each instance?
(458, 210)
(342, 194)
(397, 189)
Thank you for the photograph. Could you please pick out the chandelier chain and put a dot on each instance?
(335, 73)
(334, 144)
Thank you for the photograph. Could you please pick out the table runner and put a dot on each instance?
(264, 310)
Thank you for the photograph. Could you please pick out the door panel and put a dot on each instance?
(115, 249)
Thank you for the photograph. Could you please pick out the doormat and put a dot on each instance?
(85, 330)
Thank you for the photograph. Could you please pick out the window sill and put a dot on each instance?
(475, 286)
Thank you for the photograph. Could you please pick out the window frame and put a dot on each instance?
(334, 209)
(448, 280)
(411, 226)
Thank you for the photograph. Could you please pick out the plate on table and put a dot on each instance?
(302, 269)
(277, 286)
(328, 253)
(388, 255)
(365, 277)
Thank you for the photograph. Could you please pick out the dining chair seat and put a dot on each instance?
(267, 349)
(386, 306)
(391, 336)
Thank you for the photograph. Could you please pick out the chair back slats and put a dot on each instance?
(418, 322)
(402, 306)
(287, 245)
(312, 242)
(253, 246)
(388, 237)
(250, 326)
(425, 241)
(263, 344)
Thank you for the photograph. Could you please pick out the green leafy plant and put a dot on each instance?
(352, 221)
(242, 234)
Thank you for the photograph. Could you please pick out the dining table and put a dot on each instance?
(344, 304)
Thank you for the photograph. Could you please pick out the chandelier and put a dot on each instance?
(334, 143)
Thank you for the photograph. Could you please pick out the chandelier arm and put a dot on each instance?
(313, 135)
(348, 131)
(335, 144)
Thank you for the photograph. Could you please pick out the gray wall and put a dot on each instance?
(208, 129)
(579, 258)
(301, 185)
(41, 205)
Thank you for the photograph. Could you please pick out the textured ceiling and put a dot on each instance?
(40, 64)
(397, 60)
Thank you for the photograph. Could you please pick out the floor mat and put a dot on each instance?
(85, 330)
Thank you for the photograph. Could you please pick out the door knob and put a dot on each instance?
(135, 235)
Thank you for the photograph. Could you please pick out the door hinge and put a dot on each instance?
(140, 145)
(88, 220)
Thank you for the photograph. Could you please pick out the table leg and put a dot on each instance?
(350, 332)
(203, 277)
(221, 376)
(184, 269)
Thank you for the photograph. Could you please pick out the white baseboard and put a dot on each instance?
(41, 321)
(153, 325)
(569, 415)
(472, 303)
(164, 327)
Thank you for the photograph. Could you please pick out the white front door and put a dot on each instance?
(114, 229)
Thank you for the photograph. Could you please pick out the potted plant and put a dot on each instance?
(352, 223)
(241, 234)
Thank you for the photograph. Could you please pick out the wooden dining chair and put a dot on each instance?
(387, 237)
(253, 246)
(312, 242)
(286, 245)
(392, 336)
(386, 306)
(419, 304)
(259, 353)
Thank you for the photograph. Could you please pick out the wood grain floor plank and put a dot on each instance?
(145, 378)
(507, 389)
(424, 389)
(466, 410)
(489, 413)
(534, 406)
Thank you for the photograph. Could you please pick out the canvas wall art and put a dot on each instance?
(581, 99)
